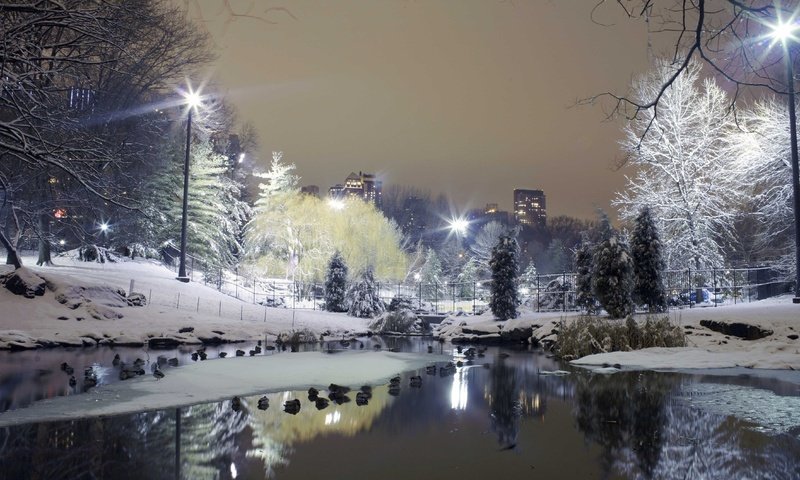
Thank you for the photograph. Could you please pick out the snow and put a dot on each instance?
(219, 379)
(101, 313)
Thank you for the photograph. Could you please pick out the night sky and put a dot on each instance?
(471, 98)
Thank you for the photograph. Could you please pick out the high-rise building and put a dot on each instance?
(530, 208)
(360, 185)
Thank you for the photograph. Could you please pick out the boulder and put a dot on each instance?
(136, 299)
(736, 329)
(24, 282)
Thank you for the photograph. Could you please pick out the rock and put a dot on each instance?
(62, 317)
(136, 299)
(792, 337)
(186, 330)
(163, 342)
(24, 282)
(736, 329)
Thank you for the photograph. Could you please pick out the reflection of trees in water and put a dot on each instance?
(503, 404)
(624, 412)
(645, 433)
(274, 431)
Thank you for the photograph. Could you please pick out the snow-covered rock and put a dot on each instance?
(23, 282)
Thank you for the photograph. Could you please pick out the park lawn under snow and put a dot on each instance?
(105, 319)
(220, 379)
(705, 349)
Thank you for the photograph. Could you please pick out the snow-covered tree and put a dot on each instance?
(364, 298)
(485, 241)
(530, 276)
(335, 284)
(679, 157)
(215, 213)
(612, 277)
(648, 264)
(279, 178)
(505, 266)
(555, 257)
(431, 276)
(583, 275)
(467, 277)
(762, 160)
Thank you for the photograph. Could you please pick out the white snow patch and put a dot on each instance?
(219, 379)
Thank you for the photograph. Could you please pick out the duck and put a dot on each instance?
(202, 354)
(116, 360)
(89, 382)
(366, 389)
(258, 343)
(459, 349)
(292, 406)
(72, 381)
(313, 394)
(252, 353)
(263, 403)
(430, 369)
(416, 381)
(158, 374)
(172, 362)
(223, 354)
(430, 348)
(394, 381)
(194, 356)
(138, 362)
(377, 347)
(394, 390)
(362, 399)
(321, 403)
(236, 404)
(257, 349)
(67, 368)
(240, 353)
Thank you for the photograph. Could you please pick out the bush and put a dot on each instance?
(296, 337)
(402, 321)
(589, 335)
(400, 303)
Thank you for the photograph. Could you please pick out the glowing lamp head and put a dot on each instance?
(459, 225)
(104, 227)
(61, 242)
(241, 157)
(336, 204)
(417, 276)
(783, 31)
(193, 99)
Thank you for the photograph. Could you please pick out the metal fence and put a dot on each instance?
(543, 293)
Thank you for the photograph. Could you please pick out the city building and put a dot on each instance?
(530, 208)
(491, 213)
(360, 185)
(312, 190)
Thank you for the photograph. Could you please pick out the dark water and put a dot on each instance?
(498, 419)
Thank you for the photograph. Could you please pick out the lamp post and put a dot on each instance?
(785, 32)
(192, 101)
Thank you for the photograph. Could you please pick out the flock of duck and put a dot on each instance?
(335, 393)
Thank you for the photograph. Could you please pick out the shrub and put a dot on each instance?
(589, 335)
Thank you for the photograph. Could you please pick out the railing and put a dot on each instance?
(542, 293)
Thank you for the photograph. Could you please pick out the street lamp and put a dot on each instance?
(785, 32)
(459, 226)
(192, 101)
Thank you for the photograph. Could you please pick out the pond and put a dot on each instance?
(504, 416)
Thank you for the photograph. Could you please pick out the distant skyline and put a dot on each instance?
(469, 98)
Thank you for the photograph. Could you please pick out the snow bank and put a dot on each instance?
(220, 379)
(86, 304)
(691, 358)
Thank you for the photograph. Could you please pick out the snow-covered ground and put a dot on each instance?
(174, 305)
(706, 348)
(101, 316)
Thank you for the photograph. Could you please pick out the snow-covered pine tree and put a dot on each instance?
(505, 266)
(583, 275)
(467, 278)
(364, 297)
(335, 284)
(612, 277)
(648, 263)
(530, 276)
(431, 276)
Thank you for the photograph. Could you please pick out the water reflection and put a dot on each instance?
(631, 425)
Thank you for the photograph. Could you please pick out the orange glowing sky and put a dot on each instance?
(471, 98)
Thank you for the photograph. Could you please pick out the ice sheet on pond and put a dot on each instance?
(219, 379)
(769, 411)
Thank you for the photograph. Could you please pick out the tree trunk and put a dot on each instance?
(12, 257)
(44, 240)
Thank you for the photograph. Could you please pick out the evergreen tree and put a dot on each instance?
(335, 284)
(467, 278)
(612, 278)
(431, 276)
(583, 276)
(505, 266)
(648, 263)
(364, 297)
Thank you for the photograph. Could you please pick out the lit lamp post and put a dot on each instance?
(192, 101)
(784, 32)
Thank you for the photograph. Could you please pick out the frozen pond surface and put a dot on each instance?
(498, 418)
